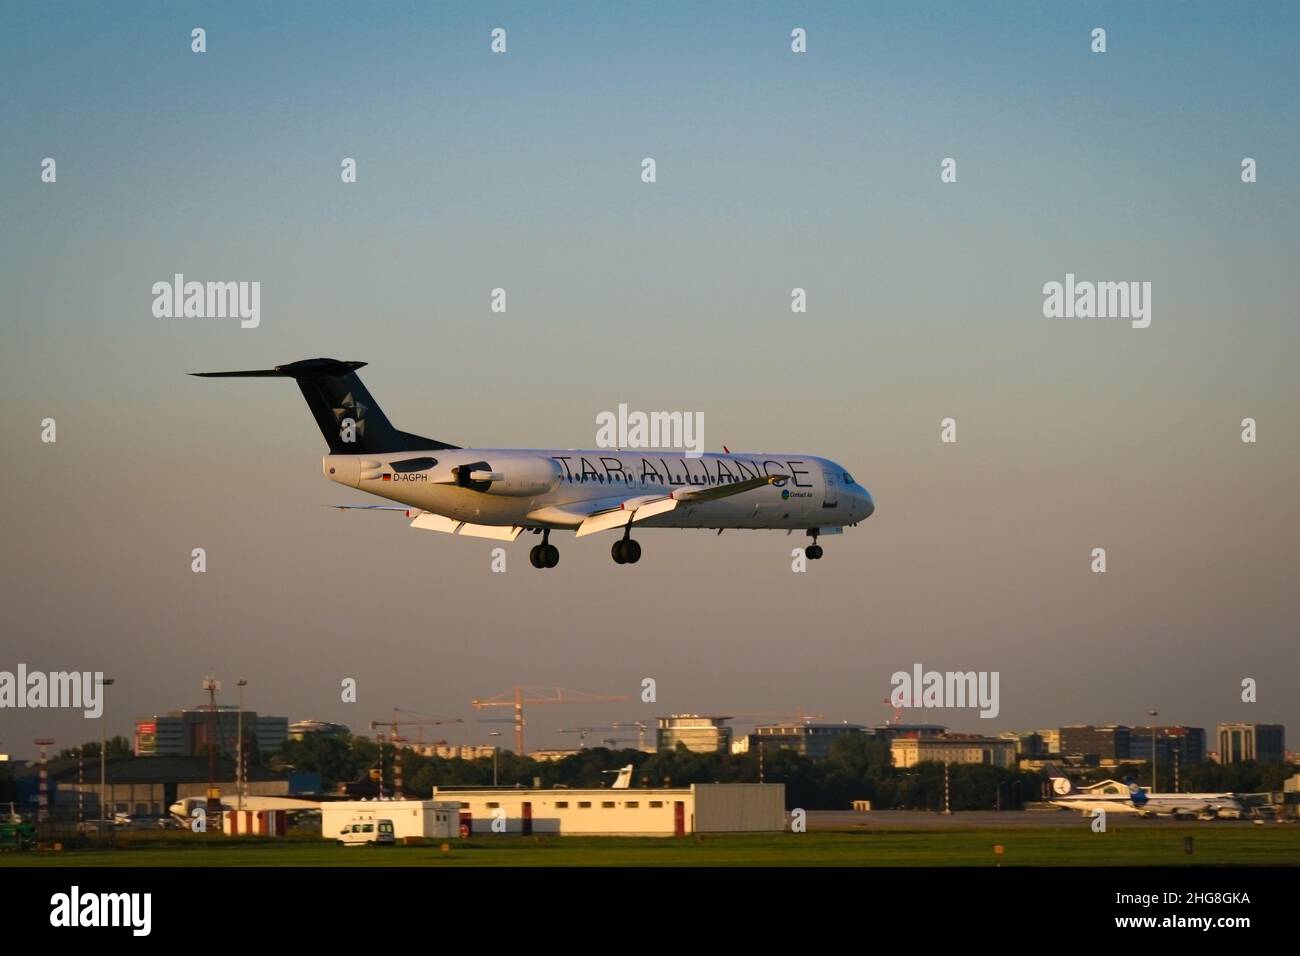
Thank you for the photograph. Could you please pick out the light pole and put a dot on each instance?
(495, 750)
(1154, 786)
(211, 685)
(103, 751)
(239, 746)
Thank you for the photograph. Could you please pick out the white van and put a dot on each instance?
(361, 832)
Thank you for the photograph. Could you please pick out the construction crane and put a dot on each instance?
(640, 726)
(746, 716)
(517, 697)
(397, 740)
(583, 731)
(414, 720)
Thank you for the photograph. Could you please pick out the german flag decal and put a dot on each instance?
(387, 476)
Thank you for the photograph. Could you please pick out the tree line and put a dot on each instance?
(857, 768)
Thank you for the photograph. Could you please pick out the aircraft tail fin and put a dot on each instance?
(624, 779)
(1062, 785)
(349, 418)
(1135, 793)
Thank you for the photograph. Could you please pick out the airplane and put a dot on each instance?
(1068, 796)
(1185, 804)
(184, 807)
(499, 493)
(1137, 800)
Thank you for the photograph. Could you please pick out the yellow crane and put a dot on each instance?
(517, 697)
(583, 731)
(396, 739)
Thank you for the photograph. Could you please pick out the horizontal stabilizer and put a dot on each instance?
(303, 369)
(410, 512)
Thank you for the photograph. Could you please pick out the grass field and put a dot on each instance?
(1047, 846)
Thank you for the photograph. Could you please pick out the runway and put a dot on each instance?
(993, 820)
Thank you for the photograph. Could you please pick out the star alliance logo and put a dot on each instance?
(354, 410)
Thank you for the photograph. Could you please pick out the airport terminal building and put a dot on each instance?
(668, 811)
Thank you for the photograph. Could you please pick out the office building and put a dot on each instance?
(1265, 743)
(1110, 743)
(186, 733)
(811, 740)
(953, 748)
(304, 728)
(1184, 746)
(701, 735)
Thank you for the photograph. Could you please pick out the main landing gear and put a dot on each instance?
(814, 551)
(544, 555)
(625, 550)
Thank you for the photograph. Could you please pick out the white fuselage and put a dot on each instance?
(548, 488)
(185, 807)
(1088, 802)
(1190, 802)
(1154, 803)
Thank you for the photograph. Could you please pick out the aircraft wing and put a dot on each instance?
(589, 517)
(271, 803)
(647, 506)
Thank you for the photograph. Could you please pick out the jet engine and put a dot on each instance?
(514, 477)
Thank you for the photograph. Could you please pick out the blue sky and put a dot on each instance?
(775, 170)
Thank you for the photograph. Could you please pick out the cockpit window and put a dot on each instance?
(413, 464)
(848, 479)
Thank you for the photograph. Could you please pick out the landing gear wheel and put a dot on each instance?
(626, 551)
(550, 555)
(535, 556)
(813, 552)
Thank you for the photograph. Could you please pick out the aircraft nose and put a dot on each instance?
(866, 503)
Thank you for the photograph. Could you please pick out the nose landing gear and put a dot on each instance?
(814, 551)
